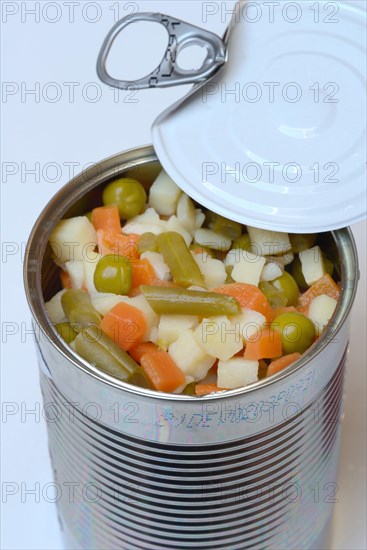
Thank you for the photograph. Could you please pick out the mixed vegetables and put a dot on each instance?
(160, 293)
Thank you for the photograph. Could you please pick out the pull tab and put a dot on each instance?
(168, 73)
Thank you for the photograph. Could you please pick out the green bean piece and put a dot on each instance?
(288, 286)
(296, 330)
(79, 309)
(189, 302)
(147, 243)
(328, 264)
(189, 389)
(226, 227)
(209, 219)
(185, 271)
(66, 331)
(243, 242)
(275, 297)
(229, 270)
(89, 215)
(196, 246)
(98, 348)
(113, 274)
(295, 269)
(300, 242)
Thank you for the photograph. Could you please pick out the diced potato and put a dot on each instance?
(219, 337)
(189, 356)
(312, 264)
(213, 270)
(186, 213)
(148, 221)
(104, 301)
(151, 318)
(171, 326)
(233, 257)
(249, 322)
(54, 308)
(89, 269)
(267, 243)
(271, 271)
(237, 372)
(207, 237)
(153, 335)
(76, 271)
(320, 311)
(173, 224)
(199, 218)
(71, 238)
(248, 269)
(164, 194)
(159, 265)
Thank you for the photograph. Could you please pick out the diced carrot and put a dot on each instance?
(143, 273)
(266, 345)
(65, 279)
(281, 363)
(118, 243)
(279, 310)
(125, 324)
(204, 389)
(162, 371)
(141, 348)
(106, 218)
(303, 309)
(249, 296)
(325, 285)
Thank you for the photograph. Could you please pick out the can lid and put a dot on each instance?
(277, 137)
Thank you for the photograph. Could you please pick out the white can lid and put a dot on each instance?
(277, 138)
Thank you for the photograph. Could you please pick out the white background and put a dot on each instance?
(67, 134)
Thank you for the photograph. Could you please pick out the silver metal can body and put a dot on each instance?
(250, 468)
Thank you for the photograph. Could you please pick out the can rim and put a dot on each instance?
(115, 165)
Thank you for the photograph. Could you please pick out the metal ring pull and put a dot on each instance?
(168, 72)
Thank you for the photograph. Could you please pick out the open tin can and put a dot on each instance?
(249, 468)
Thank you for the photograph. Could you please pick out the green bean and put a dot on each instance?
(79, 309)
(189, 389)
(189, 302)
(229, 270)
(243, 242)
(295, 269)
(196, 246)
(147, 243)
(185, 271)
(226, 227)
(275, 297)
(97, 348)
(66, 331)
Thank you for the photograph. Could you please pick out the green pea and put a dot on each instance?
(113, 274)
(295, 269)
(275, 297)
(297, 331)
(66, 332)
(128, 194)
(147, 243)
(286, 284)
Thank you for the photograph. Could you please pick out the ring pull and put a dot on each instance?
(168, 72)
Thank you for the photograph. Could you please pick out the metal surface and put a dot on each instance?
(168, 73)
(251, 468)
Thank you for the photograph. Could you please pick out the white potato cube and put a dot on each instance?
(151, 318)
(219, 337)
(171, 326)
(271, 271)
(105, 301)
(199, 218)
(312, 264)
(70, 239)
(207, 237)
(213, 270)
(233, 256)
(237, 372)
(248, 269)
(159, 265)
(320, 311)
(249, 323)
(76, 271)
(186, 213)
(164, 194)
(148, 221)
(189, 356)
(54, 308)
(267, 243)
(173, 224)
(89, 269)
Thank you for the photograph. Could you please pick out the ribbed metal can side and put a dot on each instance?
(244, 501)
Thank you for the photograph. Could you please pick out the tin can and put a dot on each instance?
(135, 469)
